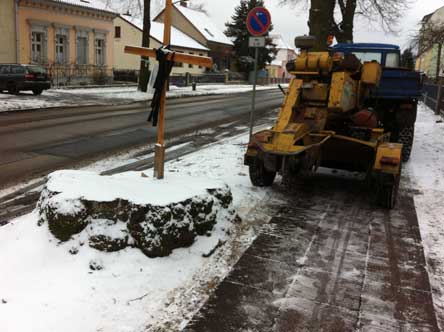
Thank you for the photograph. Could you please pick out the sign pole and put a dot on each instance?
(159, 151)
(253, 103)
(258, 23)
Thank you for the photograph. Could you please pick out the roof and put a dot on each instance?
(205, 25)
(280, 43)
(366, 46)
(178, 38)
(90, 4)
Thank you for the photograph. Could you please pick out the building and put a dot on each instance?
(427, 62)
(128, 31)
(72, 38)
(285, 53)
(8, 35)
(199, 26)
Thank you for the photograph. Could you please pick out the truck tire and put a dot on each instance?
(259, 176)
(387, 190)
(12, 89)
(405, 137)
(37, 92)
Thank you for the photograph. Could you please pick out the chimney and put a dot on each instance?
(183, 3)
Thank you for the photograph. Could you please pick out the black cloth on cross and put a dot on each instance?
(165, 67)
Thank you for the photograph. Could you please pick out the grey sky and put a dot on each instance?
(293, 21)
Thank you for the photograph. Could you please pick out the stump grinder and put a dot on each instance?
(325, 121)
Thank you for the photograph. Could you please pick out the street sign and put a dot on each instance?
(256, 42)
(258, 21)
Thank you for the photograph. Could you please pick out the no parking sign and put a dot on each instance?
(258, 21)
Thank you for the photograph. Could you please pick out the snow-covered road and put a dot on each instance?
(108, 96)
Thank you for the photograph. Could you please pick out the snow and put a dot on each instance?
(135, 187)
(94, 4)
(280, 43)
(205, 25)
(110, 96)
(178, 38)
(45, 288)
(426, 171)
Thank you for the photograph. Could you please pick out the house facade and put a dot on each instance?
(72, 38)
(8, 35)
(277, 68)
(199, 26)
(128, 31)
(427, 62)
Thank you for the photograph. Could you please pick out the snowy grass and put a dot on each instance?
(45, 288)
(107, 96)
(426, 171)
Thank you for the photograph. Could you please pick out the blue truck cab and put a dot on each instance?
(396, 82)
(396, 98)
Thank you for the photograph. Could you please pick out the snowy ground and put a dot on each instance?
(45, 288)
(107, 96)
(426, 172)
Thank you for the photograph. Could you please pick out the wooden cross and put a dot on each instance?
(159, 155)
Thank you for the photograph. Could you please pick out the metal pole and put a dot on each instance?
(253, 104)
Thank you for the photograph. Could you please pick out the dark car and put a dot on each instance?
(15, 78)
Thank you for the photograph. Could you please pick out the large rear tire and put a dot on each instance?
(259, 176)
(406, 137)
(387, 190)
(12, 89)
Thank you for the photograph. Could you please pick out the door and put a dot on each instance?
(4, 75)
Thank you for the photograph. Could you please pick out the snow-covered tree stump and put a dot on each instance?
(132, 210)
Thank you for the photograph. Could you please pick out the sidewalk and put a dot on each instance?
(108, 96)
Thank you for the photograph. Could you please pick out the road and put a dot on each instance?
(34, 143)
(329, 261)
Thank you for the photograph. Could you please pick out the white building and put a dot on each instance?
(128, 31)
(286, 53)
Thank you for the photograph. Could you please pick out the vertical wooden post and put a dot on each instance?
(159, 157)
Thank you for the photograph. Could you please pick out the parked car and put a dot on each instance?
(15, 78)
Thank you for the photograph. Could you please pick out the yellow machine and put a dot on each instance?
(324, 122)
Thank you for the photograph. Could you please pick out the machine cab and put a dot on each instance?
(386, 54)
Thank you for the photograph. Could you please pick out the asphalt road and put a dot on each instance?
(35, 143)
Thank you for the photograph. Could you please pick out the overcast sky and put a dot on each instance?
(291, 22)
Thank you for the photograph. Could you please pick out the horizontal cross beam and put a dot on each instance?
(178, 57)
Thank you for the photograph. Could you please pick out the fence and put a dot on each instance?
(433, 93)
(207, 78)
(65, 75)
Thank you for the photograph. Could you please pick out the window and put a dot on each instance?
(200, 54)
(392, 60)
(100, 52)
(82, 50)
(17, 70)
(117, 32)
(61, 49)
(178, 64)
(190, 65)
(4, 69)
(38, 45)
(368, 56)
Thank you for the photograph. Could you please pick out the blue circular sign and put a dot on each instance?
(258, 21)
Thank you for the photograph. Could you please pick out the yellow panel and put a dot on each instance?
(390, 150)
(371, 73)
(291, 100)
(319, 92)
(342, 92)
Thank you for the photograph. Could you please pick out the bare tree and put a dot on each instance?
(430, 35)
(340, 16)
